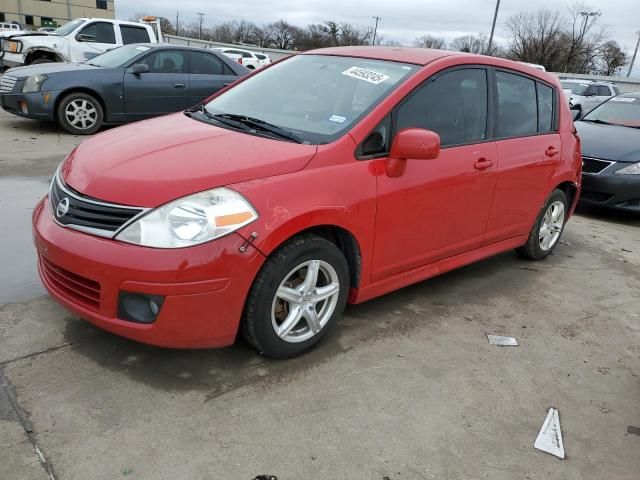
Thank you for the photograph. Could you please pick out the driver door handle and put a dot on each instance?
(178, 85)
(551, 151)
(482, 163)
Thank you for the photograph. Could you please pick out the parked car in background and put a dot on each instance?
(47, 29)
(123, 85)
(583, 95)
(263, 58)
(76, 41)
(10, 27)
(245, 57)
(535, 65)
(610, 136)
(242, 215)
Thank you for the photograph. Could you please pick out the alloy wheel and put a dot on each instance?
(551, 226)
(81, 114)
(305, 301)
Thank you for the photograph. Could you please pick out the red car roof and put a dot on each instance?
(419, 56)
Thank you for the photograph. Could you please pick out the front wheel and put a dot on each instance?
(547, 229)
(80, 114)
(296, 298)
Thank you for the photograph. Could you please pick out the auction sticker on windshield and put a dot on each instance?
(366, 75)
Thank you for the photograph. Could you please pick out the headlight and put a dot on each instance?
(191, 220)
(633, 169)
(33, 83)
(12, 46)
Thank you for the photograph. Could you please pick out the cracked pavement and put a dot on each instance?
(407, 386)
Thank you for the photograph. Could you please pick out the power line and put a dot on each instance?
(375, 30)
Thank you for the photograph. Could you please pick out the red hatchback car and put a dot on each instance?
(330, 177)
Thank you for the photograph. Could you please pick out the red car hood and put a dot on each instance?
(149, 163)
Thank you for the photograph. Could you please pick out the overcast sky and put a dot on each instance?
(402, 20)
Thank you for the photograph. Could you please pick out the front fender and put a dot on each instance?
(41, 48)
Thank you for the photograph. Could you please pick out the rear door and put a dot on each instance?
(529, 150)
(207, 74)
(163, 89)
(439, 208)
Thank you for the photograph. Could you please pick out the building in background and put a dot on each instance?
(52, 13)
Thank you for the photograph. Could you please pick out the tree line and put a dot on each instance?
(560, 41)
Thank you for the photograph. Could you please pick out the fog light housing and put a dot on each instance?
(23, 107)
(139, 307)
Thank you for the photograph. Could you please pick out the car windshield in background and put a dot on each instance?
(622, 110)
(68, 27)
(118, 57)
(576, 88)
(316, 97)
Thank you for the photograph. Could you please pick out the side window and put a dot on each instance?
(378, 142)
(454, 105)
(603, 91)
(165, 61)
(98, 32)
(247, 55)
(545, 108)
(206, 64)
(134, 34)
(592, 90)
(517, 105)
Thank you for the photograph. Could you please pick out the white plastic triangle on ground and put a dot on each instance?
(502, 341)
(550, 437)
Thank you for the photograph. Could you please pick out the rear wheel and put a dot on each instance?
(80, 114)
(296, 298)
(547, 229)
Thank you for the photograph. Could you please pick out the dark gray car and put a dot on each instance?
(126, 84)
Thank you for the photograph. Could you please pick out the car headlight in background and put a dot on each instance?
(33, 83)
(633, 169)
(191, 220)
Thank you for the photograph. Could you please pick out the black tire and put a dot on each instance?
(65, 123)
(40, 60)
(532, 249)
(257, 326)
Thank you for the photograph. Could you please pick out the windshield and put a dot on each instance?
(68, 27)
(576, 88)
(118, 57)
(317, 97)
(622, 110)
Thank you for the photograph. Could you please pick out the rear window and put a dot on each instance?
(134, 34)
(517, 105)
(545, 108)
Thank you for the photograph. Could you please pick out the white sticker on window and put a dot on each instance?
(623, 99)
(142, 49)
(366, 75)
(337, 118)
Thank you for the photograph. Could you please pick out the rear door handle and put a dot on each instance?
(482, 164)
(551, 151)
(178, 85)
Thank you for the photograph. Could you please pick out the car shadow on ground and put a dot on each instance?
(610, 215)
(219, 371)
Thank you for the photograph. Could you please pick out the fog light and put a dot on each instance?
(138, 307)
(23, 107)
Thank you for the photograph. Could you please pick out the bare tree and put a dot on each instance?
(429, 41)
(471, 43)
(611, 58)
(282, 34)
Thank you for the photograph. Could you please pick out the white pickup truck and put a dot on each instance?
(76, 41)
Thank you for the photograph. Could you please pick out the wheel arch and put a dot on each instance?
(570, 190)
(88, 91)
(38, 52)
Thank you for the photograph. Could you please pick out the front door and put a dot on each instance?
(94, 39)
(439, 208)
(163, 89)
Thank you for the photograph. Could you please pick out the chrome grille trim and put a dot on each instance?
(7, 82)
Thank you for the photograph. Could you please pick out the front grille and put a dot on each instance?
(7, 82)
(594, 196)
(87, 214)
(593, 166)
(71, 285)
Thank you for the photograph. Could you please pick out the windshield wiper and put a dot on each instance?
(257, 124)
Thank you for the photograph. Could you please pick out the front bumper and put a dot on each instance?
(10, 60)
(610, 190)
(36, 105)
(204, 286)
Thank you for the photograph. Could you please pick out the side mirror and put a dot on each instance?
(83, 37)
(411, 144)
(139, 68)
(575, 114)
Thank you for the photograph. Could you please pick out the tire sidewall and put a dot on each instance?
(62, 120)
(277, 270)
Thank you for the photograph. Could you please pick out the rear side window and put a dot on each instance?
(207, 64)
(260, 57)
(166, 61)
(134, 34)
(545, 108)
(454, 105)
(517, 105)
(102, 32)
(603, 91)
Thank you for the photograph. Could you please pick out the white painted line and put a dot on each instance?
(550, 436)
(502, 341)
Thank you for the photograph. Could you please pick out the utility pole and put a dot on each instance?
(493, 28)
(635, 52)
(586, 16)
(375, 30)
(178, 23)
(201, 18)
